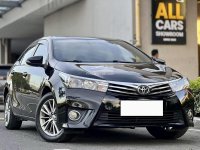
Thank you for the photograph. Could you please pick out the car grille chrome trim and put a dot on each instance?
(161, 92)
(118, 91)
(138, 84)
(125, 88)
(155, 89)
(160, 87)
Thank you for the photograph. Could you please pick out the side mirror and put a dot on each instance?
(35, 61)
(160, 61)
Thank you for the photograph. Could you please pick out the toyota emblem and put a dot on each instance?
(143, 90)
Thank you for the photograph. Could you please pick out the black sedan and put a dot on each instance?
(69, 84)
(4, 69)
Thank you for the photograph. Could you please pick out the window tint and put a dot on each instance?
(29, 53)
(97, 51)
(42, 51)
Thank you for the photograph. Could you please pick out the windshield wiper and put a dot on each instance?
(119, 61)
(114, 61)
(78, 61)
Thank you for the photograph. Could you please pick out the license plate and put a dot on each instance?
(142, 108)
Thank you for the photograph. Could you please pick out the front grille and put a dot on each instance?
(114, 118)
(155, 90)
(122, 89)
(160, 89)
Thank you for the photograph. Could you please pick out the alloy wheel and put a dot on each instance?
(48, 118)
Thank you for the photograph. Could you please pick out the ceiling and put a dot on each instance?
(27, 19)
(8, 5)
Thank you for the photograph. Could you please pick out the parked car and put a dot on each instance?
(68, 84)
(4, 69)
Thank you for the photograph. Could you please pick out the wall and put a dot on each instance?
(95, 18)
(114, 19)
(183, 58)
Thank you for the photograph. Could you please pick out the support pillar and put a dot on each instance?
(4, 51)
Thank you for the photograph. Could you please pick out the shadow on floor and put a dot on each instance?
(138, 136)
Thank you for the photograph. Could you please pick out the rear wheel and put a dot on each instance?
(167, 132)
(11, 121)
(47, 122)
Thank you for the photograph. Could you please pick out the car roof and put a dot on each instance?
(78, 38)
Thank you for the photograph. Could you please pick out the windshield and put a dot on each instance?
(82, 50)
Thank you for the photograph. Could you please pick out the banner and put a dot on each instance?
(169, 22)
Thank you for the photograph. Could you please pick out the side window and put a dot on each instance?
(42, 51)
(29, 53)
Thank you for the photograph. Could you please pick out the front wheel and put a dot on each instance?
(167, 132)
(47, 122)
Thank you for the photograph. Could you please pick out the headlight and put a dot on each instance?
(83, 83)
(179, 85)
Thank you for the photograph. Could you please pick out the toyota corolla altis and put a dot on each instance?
(69, 84)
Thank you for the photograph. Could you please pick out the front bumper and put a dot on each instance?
(103, 110)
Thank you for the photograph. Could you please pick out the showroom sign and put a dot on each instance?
(168, 21)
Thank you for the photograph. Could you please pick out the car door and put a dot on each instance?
(35, 77)
(19, 81)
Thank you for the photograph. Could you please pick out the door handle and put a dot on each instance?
(25, 74)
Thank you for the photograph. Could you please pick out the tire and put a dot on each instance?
(46, 121)
(164, 133)
(11, 121)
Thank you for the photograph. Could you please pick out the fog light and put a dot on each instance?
(190, 114)
(74, 115)
(108, 106)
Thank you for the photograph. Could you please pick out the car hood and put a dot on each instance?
(134, 73)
